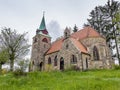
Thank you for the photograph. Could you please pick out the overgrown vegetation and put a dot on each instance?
(66, 80)
(21, 70)
(116, 67)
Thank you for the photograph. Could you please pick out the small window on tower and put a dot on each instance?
(45, 40)
(67, 46)
(35, 40)
(65, 34)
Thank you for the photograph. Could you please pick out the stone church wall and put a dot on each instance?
(38, 50)
(68, 49)
(105, 58)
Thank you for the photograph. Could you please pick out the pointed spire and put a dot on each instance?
(42, 25)
(42, 28)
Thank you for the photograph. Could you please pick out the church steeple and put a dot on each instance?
(41, 44)
(42, 25)
(42, 28)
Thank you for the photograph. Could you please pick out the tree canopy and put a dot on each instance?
(16, 44)
(4, 57)
(105, 19)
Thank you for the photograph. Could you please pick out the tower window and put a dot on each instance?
(67, 46)
(35, 40)
(95, 53)
(45, 40)
(66, 34)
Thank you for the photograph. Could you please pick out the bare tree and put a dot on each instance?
(16, 44)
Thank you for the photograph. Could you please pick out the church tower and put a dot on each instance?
(41, 43)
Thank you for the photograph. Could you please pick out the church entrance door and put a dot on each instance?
(61, 63)
(85, 64)
(41, 66)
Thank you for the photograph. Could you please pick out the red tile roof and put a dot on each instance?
(79, 45)
(56, 46)
(81, 34)
(85, 32)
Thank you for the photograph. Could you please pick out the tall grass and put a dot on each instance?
(67, 80)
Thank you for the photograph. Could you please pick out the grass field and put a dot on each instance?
(67, 80)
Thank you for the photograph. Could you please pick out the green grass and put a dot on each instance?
(67, 80)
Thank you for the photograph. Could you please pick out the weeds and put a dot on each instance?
(66, 80)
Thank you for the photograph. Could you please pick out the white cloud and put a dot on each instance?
(54, 29)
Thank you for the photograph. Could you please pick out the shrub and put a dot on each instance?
(48, 67)
(19, 72)
(73, 68)
(3, 71)
(76, 68)
(116, 67)
(23, 64)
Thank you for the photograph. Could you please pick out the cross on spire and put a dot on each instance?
(43, 13)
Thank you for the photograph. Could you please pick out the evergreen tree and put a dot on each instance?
(102, 20)
(75, 29)
(96, 20)
(116, 20)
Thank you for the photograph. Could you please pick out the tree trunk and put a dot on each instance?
(0, 66)
(11, 65)
(116, 45)
(12, 57)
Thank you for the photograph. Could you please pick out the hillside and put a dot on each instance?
(67, 80)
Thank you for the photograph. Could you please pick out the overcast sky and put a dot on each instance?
(26, 15)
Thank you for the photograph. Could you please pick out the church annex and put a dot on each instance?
(84, 49)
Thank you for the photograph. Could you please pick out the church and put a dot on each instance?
(82, 50)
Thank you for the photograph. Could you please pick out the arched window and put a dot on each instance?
(65, 34)
(49, 60)
(73, 59)
(86, 63)
(95, 53)
(32, 62)
(45, 40)
(61, 63)
(55, 61)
